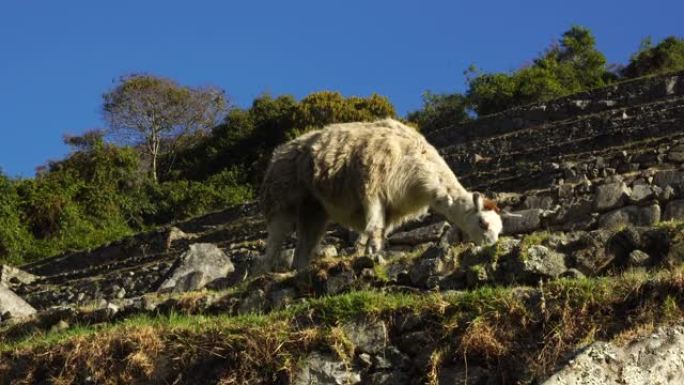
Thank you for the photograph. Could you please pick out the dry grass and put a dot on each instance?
(525, 333)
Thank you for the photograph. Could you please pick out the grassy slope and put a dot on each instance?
(496, 327)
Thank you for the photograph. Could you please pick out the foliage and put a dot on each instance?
(154, 113)
(572, 65)
(666, 56)
(185, 198)
(440, 110)
(247, 137)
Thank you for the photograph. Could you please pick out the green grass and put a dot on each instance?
(497, 325)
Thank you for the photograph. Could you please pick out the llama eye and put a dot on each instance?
(484, 224)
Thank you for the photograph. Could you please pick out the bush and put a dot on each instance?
(667, 56)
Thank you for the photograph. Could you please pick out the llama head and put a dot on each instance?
(481, 222)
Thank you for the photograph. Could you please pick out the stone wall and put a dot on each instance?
(603, 158)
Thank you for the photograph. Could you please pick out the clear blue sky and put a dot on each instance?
(58, 57)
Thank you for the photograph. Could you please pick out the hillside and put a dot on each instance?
(592, 264)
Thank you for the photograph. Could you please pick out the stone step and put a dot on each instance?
(622, 95)
(576, 136)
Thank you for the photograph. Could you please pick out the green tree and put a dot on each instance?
(247, 137)
(154, 113)
(14, 236)
(666, 56)
(571, 65)
(439, 111)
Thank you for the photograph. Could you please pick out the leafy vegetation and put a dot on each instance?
(572, 64)
(171, 151)
(103, 190)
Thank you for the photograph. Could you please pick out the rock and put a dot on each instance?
(104, 314)
(657, 359)
(422, 270)
(367, 336)
(631, 215)
(638, 258)
(622, 243)
(175, 234)
(572, 274)
(328, 251)
(672, 178)
(665, 194)
(538, 202)
(420, 235)
(575, 215)
(364, 262)
(324, 369)
(676, 156)
(61, 325)
(527, 221)
(366, 360)
(590, 256)
(539, 262)
(11, 275)
(339, 282)
(391, 378)
(254, 303)
(13, 306)
(201, 264)
(282, 298)
(609, 196)
(473, 374)
(641, 192)
(674, 210)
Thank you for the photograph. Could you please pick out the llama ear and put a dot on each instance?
(491, 205)
(478, 201)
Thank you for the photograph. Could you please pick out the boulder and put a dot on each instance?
(367, 336)
(657, 359)
(611, 195)
(524, 221)
(641, 193)
(325, 369)
(672, 178)
(590, 256)
(11, 275)
(13, 306)
(674, 210)
(638, 258)
(631, 215)
(420, 235)
(540, 262)
(425, 268)
(194, 269)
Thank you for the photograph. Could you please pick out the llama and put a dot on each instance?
(370, 177)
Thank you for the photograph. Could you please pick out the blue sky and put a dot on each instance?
(58, 57)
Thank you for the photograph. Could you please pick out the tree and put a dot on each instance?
(154, 113)
(247, 137)
(571, 65)
(439, 111)
(667, 56)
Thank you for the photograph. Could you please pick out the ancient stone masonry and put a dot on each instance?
(592, 177)
(603, 158)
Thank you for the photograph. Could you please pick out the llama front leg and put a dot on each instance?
(375, 227)
(279, 227)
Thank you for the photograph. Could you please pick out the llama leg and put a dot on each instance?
(279, 228)
(375, 226)
(361, 243)
(311, 223)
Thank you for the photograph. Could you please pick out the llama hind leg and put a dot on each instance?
(279, 228)
(311, 223)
